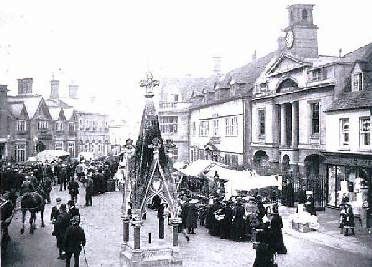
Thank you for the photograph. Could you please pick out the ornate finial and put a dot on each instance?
(149, 83)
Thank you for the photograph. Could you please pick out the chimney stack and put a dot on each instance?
(3, 110)
(54, 89)
(25, 86)
(73, 91)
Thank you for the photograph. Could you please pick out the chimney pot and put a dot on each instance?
(54, 89)
(25, 86)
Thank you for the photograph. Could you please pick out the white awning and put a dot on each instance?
(197, 167)
(50, 155)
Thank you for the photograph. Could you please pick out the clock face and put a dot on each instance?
(289, 39)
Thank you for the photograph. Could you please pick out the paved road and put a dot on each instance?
(103, 229)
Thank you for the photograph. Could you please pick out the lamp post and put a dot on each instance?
(128, 153)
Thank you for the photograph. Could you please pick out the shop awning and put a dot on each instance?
(50, 155)
(227, 174)
(198, 167)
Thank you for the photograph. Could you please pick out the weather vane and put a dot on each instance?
(149, 83)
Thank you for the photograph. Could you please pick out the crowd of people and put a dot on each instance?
(18, 180)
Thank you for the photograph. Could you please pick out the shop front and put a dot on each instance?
(350, 175)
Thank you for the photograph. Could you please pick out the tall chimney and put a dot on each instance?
(3, 111)
(25, 86)
(54, 89)
(73, 91)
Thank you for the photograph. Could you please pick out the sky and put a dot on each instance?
(107, 46)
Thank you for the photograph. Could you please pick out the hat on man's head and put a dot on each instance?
(58, 199)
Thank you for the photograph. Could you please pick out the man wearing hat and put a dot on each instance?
(61, 225)
(72, 210)
(55, 210)
(74, 240)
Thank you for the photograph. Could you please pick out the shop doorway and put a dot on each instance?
(315, 181)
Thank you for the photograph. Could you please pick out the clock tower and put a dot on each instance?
(301, 37)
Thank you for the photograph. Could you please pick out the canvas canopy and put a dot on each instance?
(50, 155)
(86, 155)
(197, 168)
(227, 174)
(247, 183)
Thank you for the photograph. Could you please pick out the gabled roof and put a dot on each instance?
(31, 102)
(69, 112)
(56, 113)
(18, 109)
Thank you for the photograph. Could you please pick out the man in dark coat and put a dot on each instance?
(55, 212)
(74, 240)
(73, 189)
(276, 234)
(225, 223)
(238, 229)
(72, 210)
(88, 191)
(264, 252)
(62, 223)
(192, 218)
(63, 177)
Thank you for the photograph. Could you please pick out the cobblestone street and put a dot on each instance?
(103, 228)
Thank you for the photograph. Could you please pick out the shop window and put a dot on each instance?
(344, 132)
(357, 82)
(365, 132)
(261, 123)
(347, 181)
(314, 118)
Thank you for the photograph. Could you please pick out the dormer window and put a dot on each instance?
(318, 74)
(357, 82)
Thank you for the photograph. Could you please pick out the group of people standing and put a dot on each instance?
(70, 236)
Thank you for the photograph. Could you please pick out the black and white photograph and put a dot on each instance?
(198, 133)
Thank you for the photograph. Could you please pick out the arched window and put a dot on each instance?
(304, 14)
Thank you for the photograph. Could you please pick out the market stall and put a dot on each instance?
(50, 155)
